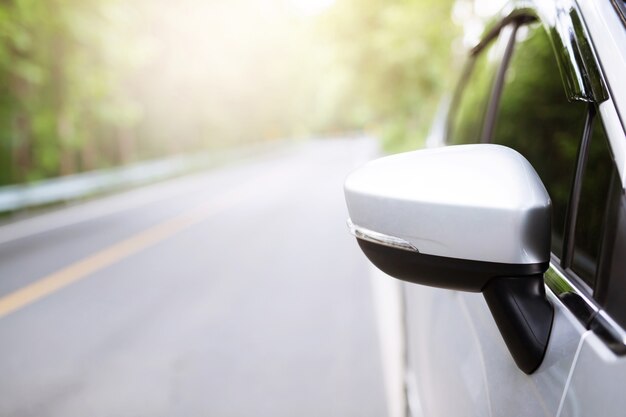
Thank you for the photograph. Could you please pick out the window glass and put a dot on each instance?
(535, 118)
(468, 113)
(610, 288)
(592, 206)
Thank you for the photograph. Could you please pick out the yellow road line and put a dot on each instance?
(118, 251)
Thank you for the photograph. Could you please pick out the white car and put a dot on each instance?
(526, 207)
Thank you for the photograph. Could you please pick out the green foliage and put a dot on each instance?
(399, 58)
(53, 81)
(86, 84)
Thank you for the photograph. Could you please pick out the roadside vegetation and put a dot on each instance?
(90, 84)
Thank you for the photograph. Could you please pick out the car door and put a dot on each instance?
(458, 363)
(595, 268)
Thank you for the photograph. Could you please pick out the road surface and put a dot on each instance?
(235, 292)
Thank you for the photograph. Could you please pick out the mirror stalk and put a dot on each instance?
(524, 317)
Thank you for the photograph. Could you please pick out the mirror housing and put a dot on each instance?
(452, 217)
(470, 218)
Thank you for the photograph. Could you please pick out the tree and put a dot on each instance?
(399, 58)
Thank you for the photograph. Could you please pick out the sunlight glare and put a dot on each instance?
(312, 7)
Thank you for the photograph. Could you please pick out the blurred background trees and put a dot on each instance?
(88, 84)
(398, 55)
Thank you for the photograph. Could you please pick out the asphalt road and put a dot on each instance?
(235, 292)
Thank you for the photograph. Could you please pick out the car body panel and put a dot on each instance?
(597, 383)
(462, 367)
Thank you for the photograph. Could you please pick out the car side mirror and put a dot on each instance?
(469, 218)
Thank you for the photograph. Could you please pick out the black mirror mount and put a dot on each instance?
(524, 317)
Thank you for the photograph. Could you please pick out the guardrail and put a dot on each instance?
(71, 187)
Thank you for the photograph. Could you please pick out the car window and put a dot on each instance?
(610, 288)
(592, 206)
(469, 105)
(535, 118)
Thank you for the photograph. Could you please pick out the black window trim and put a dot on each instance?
(571, 214)
(603, 276)
(498, 85)
(466, 74)
(486, 130)
(580, 69)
